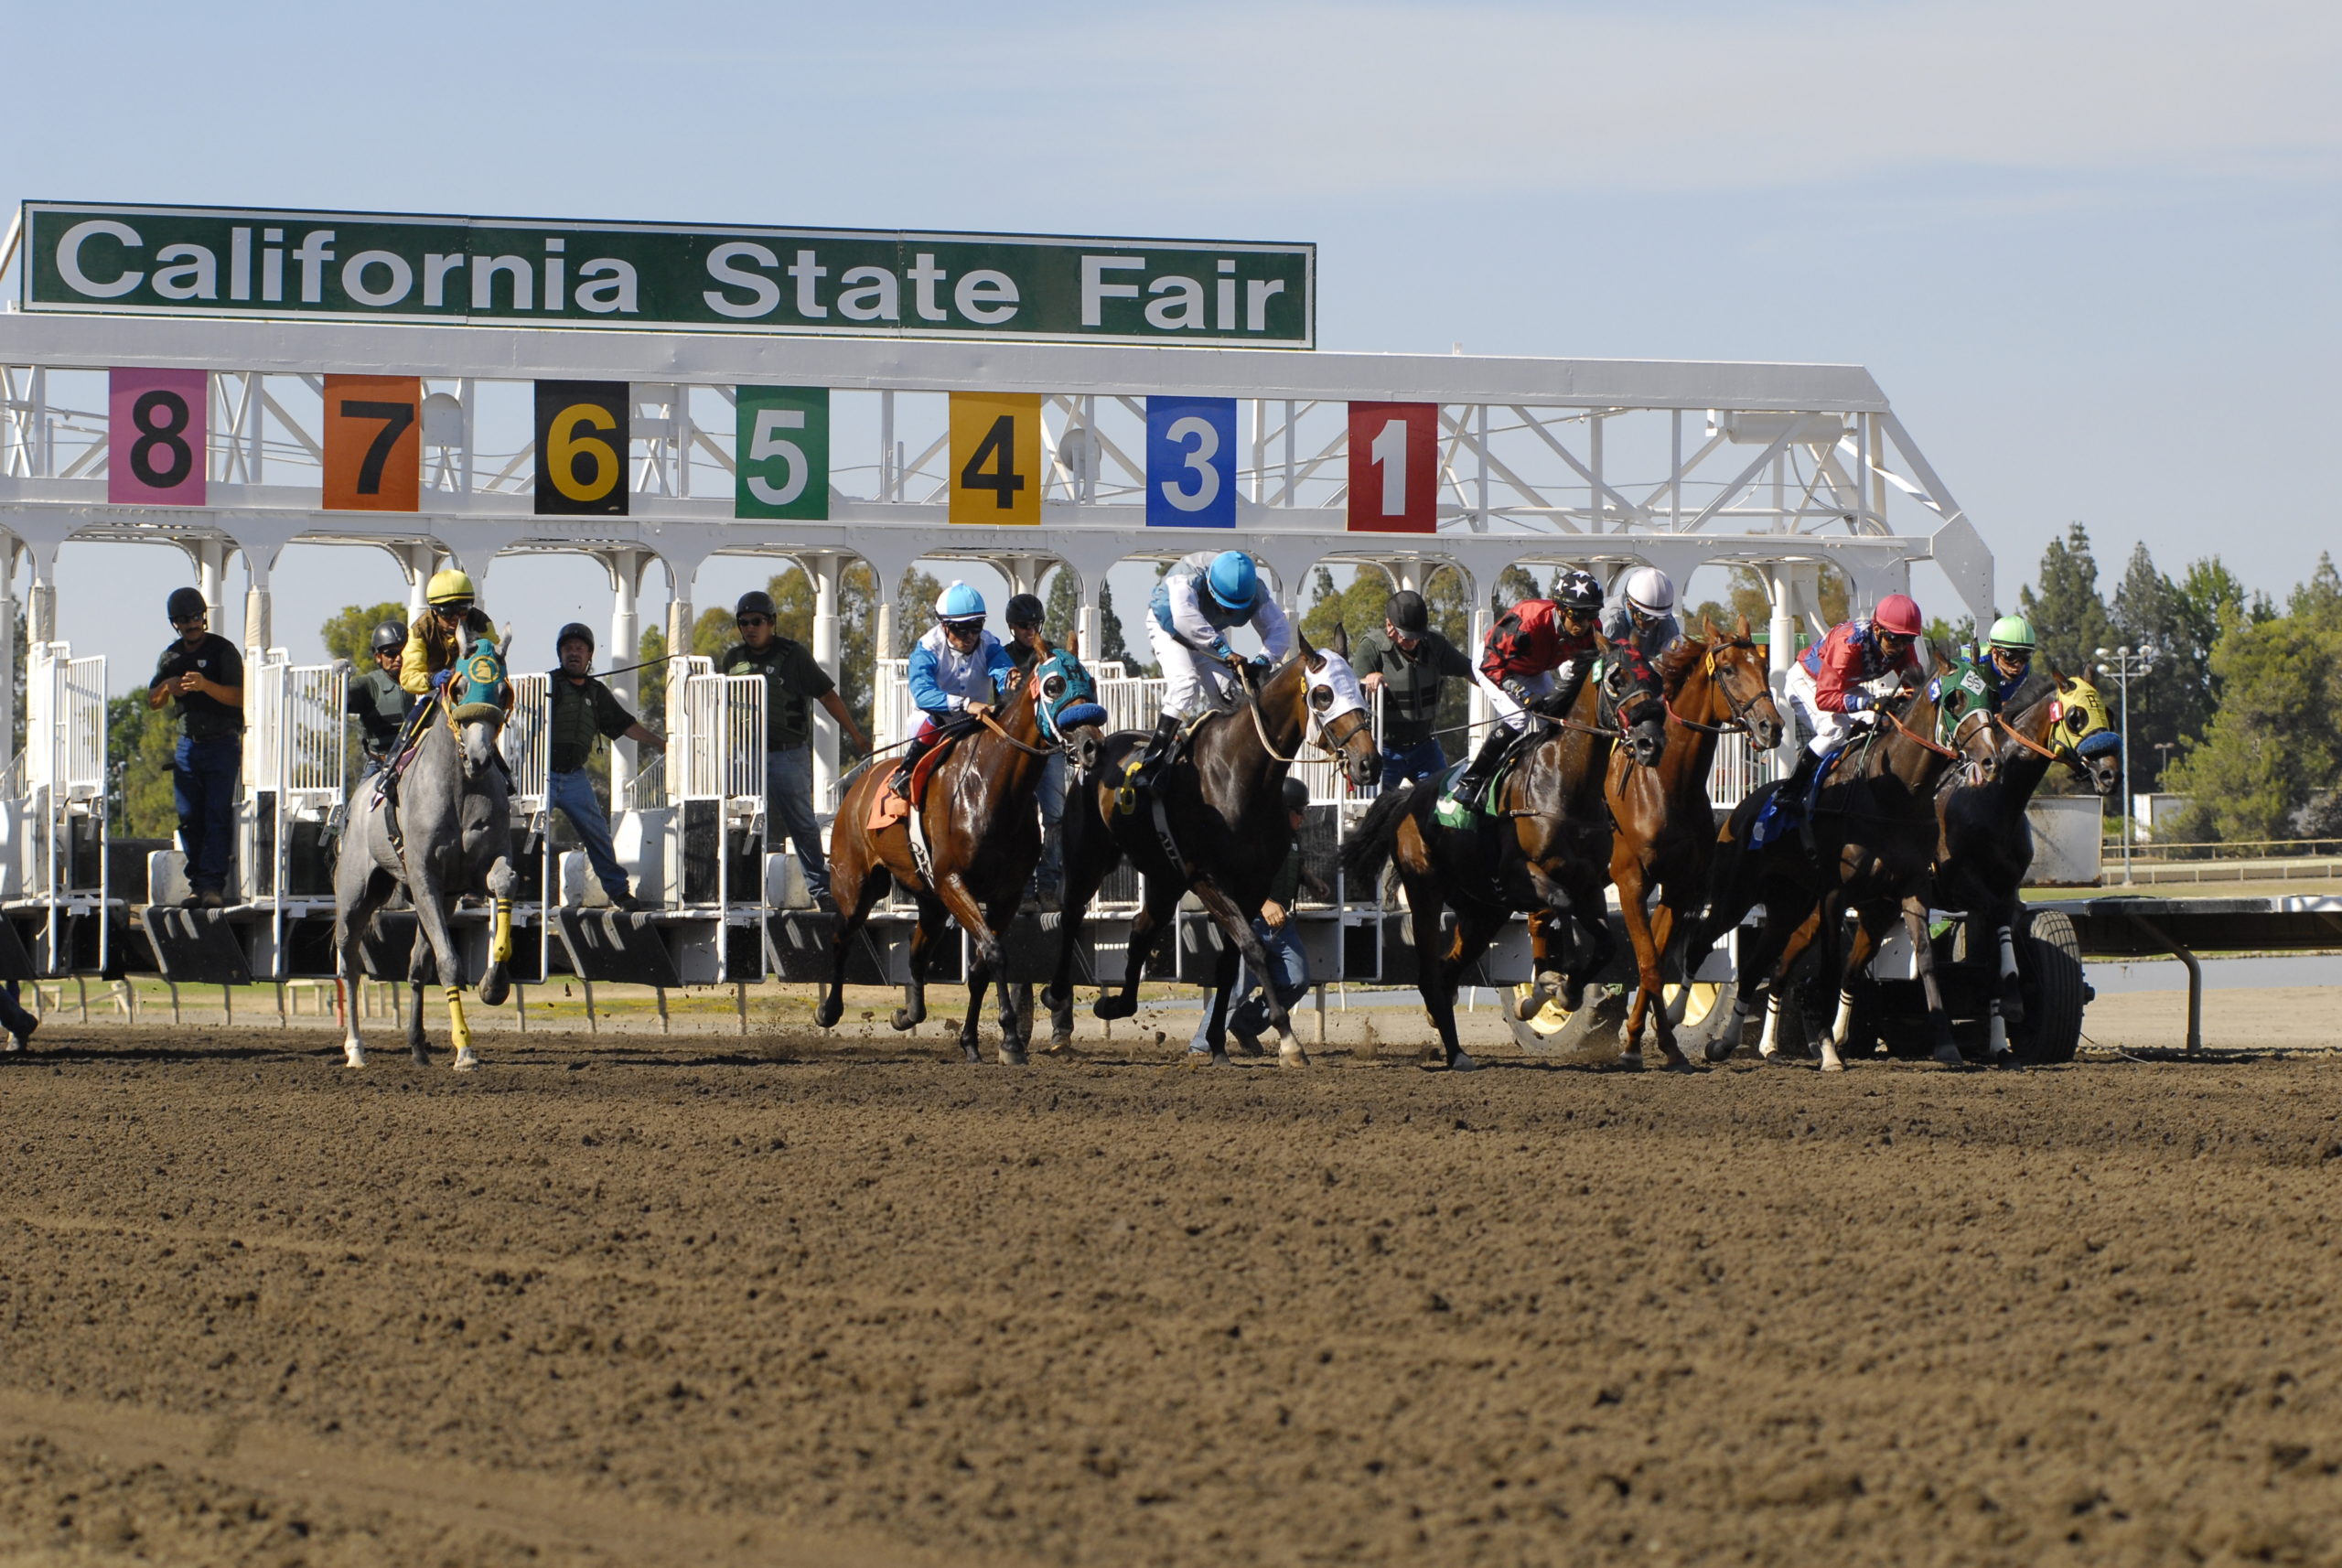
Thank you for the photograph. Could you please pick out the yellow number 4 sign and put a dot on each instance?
(995, 457)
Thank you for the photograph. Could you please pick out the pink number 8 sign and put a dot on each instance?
(156, 441)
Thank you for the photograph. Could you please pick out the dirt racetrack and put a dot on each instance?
(672, 1302)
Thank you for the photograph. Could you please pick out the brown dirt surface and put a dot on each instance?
(629, 1300)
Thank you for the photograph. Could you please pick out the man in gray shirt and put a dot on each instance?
(1406, 661)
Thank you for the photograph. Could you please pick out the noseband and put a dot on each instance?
(1738, 722)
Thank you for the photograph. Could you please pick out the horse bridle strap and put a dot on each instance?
(993, 725)
(2024, 740)
(1324, 739)
(1738, 722)
(1892, 717)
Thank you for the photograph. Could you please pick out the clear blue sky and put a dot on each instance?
(2087, 248)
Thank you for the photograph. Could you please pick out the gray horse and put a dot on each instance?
(455, 837)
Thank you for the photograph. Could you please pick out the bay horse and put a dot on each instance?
(1546, 852)
(1664, 828)
(453, 836)
(1985, 844)
(1213, 823)
(1873, 838)
(983, 839)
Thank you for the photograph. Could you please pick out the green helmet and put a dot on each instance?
(2011, 632)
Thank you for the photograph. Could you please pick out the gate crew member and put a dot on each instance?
(1201, 599)
(377, 700)
(204, 674)
(791, 680)
(1540, 652)
(1407, 662)
(953, 673)
(1849, 672)
(583, 710)
(1024, 614)
(1645, 619)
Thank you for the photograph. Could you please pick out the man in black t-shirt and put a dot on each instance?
(1406, 661)
(792, 682)
(204, 675)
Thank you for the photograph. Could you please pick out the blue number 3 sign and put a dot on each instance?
(1191, 462)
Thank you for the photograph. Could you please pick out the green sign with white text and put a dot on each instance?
(369, 266)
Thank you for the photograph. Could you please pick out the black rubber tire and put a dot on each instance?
(2049, 967)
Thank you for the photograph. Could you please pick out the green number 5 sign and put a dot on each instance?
(784, 452)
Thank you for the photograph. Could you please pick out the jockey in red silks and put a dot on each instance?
(1537, 655)
(1848, 674)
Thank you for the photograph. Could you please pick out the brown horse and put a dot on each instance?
(1664, 829)
(1220, 807)
(1873, 840)
(1546, 852)
(983, 838)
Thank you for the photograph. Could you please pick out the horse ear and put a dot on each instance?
(1301, 645)
(1341, 643)
(2058, 675)
(1708, 632)
(1741, 629)
(1048, 650)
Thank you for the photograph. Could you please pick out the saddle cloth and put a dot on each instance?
(1780, 814)
(887, 806)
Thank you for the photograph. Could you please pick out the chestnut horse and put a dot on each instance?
(1664, 828)
(1547, 853)
(983, 838)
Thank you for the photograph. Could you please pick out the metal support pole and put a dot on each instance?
(825, 654)
(2195, 976)
(626, 637)
(2126, 810)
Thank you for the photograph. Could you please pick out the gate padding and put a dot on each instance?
(195, 947)
(610, 947)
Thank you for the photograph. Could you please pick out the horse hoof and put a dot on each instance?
(1012, 1057)
(1833, 1064)
(1059, 1045)
(969, 1052)
(1717, 1050)
(1205, 1058)
(1463, 1061)
(827, 1015)
(1290, 1053)
(1632, 1061)
(494, 989)
(1678, 1064)
(905, 1019)
(1572, 998)
(465, 1062)
(1949, 1056)
(351, 1056)
(1109, 1008)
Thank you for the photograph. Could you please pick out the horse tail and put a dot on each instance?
(1366, 847)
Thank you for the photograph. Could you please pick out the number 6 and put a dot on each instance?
(764, 442)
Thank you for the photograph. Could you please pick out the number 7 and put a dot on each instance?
(396, 417)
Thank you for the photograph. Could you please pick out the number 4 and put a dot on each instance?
(998, 447)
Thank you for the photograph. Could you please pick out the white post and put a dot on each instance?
(212, 564)
(1085, 619)
(8, 644)
(825, 654)
(1481, 622)
(1783, 650)
(626, 635)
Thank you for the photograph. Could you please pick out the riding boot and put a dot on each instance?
(1473, 782)
(1159, 748)
(1800, 778)
(901, 782)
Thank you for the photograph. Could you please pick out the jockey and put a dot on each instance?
(2008, 652)
(952, 674)
(1647, 619)
(1848, 674)
(1201, 598)
(1538, 655)
(443, 633)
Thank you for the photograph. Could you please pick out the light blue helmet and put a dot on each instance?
(960, 602)
(1233, 580)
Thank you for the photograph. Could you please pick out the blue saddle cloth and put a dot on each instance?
(1781, 814)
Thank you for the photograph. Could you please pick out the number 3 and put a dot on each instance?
(764, 442)
(1198, 459)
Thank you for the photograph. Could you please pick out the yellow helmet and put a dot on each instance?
(450, 585)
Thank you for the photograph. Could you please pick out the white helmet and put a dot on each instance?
(1649, 590)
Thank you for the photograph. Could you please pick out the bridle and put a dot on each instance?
(1325, 739)
(1738, 722)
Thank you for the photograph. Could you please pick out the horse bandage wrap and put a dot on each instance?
(475, 691)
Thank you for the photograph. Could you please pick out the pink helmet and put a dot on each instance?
(1898, 613)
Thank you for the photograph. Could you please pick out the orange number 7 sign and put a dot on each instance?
(373, 447)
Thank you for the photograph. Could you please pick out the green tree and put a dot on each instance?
(349, 632)
(1111, 645)
(2268, 760)
(2070, 622)
(139, 743)
(1513, 584)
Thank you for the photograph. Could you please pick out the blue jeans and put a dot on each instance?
(1405, 764)
(571, 794)
(203, 787)
(1248, 1011)
(789, 812)
(1051, 795)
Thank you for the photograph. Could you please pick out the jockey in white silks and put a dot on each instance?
(1202, 598)
(952, 673)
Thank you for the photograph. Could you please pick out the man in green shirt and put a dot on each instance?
(377, 700)
(582, 711)
(792, 679)
(1406, 661)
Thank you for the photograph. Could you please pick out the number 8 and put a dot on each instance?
(161, 416)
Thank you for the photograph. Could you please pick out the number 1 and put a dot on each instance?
(1390, 449)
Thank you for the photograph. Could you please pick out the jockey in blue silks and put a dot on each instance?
(1200, 599)
(952, 675)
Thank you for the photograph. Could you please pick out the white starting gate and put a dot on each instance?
(295, 780)
(57, 804)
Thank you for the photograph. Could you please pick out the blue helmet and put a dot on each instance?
(1233, 580)
(958, 602)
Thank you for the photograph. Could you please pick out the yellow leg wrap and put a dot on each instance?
(457, 1030)
(500, 948)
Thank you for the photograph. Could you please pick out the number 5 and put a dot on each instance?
(1199, 462)
(764, 442)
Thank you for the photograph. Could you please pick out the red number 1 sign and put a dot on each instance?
(1395, 467)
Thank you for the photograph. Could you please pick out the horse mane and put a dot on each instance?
(2037, 686)
(1676, 662)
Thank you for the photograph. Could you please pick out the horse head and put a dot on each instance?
(475, 697)
(1065, 700)
(1637, 705)
(2086, 740)
(1331, 702)
(1739, 672)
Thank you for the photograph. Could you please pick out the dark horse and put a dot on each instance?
(453, 836)
(1873, 838)
(1213, 823)
(1664, 832)
(983, 837)
(1546, 852)
(1986, 845)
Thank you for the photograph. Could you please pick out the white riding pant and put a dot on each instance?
(1501, 702)
(1829, 730)
(1191, 680)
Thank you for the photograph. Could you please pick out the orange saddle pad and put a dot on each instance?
(886, 808)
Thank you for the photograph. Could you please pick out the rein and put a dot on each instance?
(2023, 740)
(1915, 737)
(1030, 750)
(1326, 740)
(1738, 722)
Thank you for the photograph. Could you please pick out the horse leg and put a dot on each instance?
(1210, 1042)
(1016, 1000)
(1473, 933)
(497, 983)
(1872, 922)
(1915, 921)
(1758, 969)
(2012, 989)
(372, 889)
(1238, 928)
(431, 923)
(1547, 933)
(1162, 898)
(1649, 983)
(1593, 920)
(855, 889)
(1087, 853)
(932, 916)
(418, 959)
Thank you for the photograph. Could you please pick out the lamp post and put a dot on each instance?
(2123, 663)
